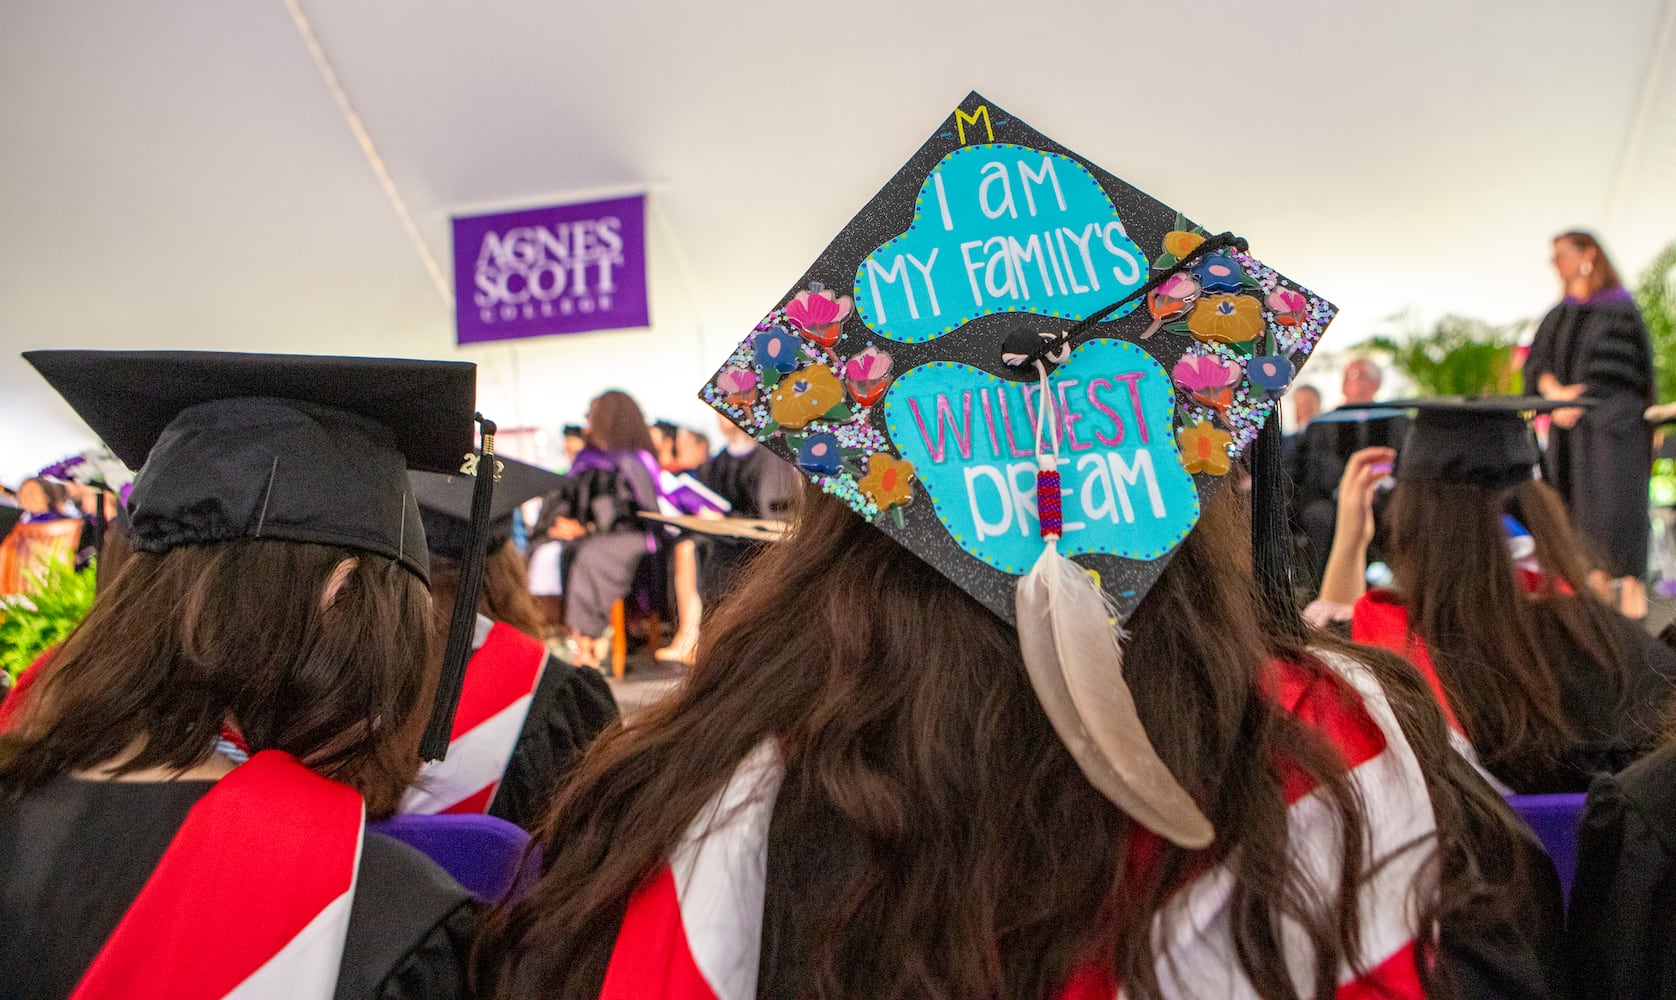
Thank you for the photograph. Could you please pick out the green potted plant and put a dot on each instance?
(34, 622)
(1458, 356)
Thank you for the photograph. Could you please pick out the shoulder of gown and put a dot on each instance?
(410, 929)
(571, 706)
(1621, 936)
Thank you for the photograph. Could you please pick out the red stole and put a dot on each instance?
(1380, 619)
(13, 702)
(693, 931)
(251, 899)
(495, 699)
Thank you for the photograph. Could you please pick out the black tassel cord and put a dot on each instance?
(462, 627)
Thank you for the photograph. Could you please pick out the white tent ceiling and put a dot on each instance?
(177, 173)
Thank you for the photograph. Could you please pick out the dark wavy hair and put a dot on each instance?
(181, 642)
(990, 866)
(504, 597)
(1604, 275)
(616, 423)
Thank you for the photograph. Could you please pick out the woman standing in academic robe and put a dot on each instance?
(1594, 345)
(184, 790)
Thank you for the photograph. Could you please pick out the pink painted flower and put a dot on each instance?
(738, 385)
(1170, 299)
(818, 314)
(867, 375)
(1203, 372)
(1289, 307)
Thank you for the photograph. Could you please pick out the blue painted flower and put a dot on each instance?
(1218, 273)
(1270, 372)
(777, 349)
(819, 454)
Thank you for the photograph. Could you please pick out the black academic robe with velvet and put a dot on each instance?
(75, 854)
(570, 707)
(1601, 466)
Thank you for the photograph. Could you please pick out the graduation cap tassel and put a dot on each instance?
(1271, 536)
(1072, 648)
(463, 626)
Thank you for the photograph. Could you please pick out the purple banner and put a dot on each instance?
(543, 271)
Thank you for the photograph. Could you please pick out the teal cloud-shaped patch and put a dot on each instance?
(999, 228)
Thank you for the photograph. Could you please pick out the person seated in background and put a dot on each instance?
(692, 449)
(611, 481)
(754, 483)
(1321, 450)
(524, 717)
(274, 607)
(43, 500)
(1548, 685)
(574, 442)
(663, 434)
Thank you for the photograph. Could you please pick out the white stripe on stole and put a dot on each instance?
(720, 868)
(1399, 835)
(475, 761)
(307, 967)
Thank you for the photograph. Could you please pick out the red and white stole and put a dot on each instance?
(251, 899)
(495, 699)
(694, 932)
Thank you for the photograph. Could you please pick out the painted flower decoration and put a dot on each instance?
(1204, 448)
(1170, 299)
(805, 395)
(819, 454)
(1219, 273)
(889, 481)
(1226, 319)
(1289, 307)
(868, 375)
(1197, 372)
(818, 315)
(777, 349)
(1270, 372)
(738, 385)
(1179, 244)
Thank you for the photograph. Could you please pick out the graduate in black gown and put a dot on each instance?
(918, 760)
(567, 705)
(184, 784)
(759, 485)
(1550, 685)
(1594, 345)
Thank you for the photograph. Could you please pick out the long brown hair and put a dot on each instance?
(1490, 639)
(181, 642)
(1604, 275)
(505, 596)
(990, 867)
(615, 423)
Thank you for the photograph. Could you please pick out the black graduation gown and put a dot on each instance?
(1602, 465)
(1316, 466)
(759, 484)
(1621, 935)
(570, 707)
(75, 854)
(812, 850)
(605, 493)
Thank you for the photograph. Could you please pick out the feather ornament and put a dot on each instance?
(1073, 654)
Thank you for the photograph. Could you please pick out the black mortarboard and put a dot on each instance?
(301, 448)
(445, 504)
(1481, 441)
(996, 278)
(293, 447)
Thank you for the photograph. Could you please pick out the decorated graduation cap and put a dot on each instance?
(445, 504)
(292, 447)
(1483, 441)
(1032, 375)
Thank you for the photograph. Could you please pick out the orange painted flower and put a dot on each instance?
(1225, 319)
(804, 395)
(889, 481)
(1204, 448)
(1179, 244)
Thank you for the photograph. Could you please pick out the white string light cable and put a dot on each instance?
(359, 129)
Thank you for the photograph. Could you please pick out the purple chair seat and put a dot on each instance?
(484, 854)
(1555, 820)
